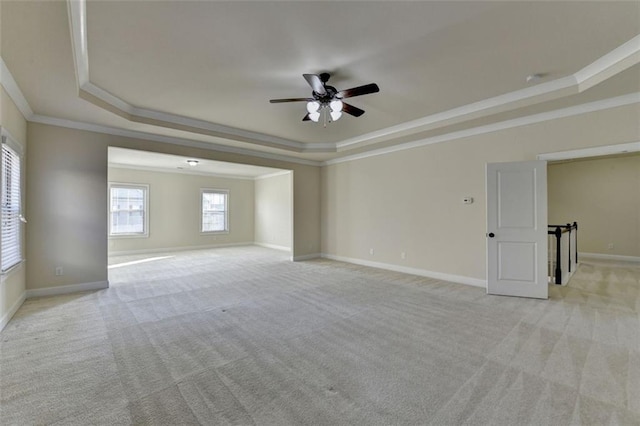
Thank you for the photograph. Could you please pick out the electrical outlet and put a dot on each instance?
(610, 246)
(371, 251)
(59, 271)
(403, 255)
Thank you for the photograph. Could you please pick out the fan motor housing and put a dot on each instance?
(327, 97)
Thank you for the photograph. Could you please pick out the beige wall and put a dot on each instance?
(411, 201)
(12, 285)
(603, 196)
(66, 208)
(274, 210)
(67, 201)
(174, 210)
(408, 201)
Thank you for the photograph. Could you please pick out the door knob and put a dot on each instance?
(491, 235)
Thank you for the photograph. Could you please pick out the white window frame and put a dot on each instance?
(226, 211)
(16, 149)
(145, 188)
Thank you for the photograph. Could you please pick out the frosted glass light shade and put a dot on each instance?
(336, 105)
(314, 116)
(335, 115)
(313, 106)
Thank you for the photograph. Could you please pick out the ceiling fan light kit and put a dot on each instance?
(315, 109)
(326, 101)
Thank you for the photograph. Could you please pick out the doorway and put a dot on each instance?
(161, 203)
(602, 194)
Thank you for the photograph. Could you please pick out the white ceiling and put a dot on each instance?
(205, 71)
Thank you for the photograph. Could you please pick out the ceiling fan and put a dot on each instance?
(326, 100)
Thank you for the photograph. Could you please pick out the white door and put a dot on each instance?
(517, 229)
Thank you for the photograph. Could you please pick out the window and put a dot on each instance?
(11, 242)
(128, 210)
(215, 210)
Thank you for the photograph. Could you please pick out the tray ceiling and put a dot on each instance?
(204, 71)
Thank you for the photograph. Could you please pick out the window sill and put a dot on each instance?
(126, 236)
(15, 268)
(214, 232)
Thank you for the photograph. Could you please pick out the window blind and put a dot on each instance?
(11, 209)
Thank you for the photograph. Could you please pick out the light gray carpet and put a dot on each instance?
(243, 336)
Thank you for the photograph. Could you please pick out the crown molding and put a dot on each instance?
(541, 92)
(178, 171)
(603, 68)
(53, 121)
(103, 99)
(614, 62)
(272, 175)
(619, 101)
(610, 64)
(597, 151)
(76, 10)
(13, 90)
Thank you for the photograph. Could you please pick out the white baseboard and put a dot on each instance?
(306, 257)
(172, 249)
(7, 317)
(273, 246)
(475, 282)
(603, 256)
(65, 289)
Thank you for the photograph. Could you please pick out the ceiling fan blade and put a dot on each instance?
(358, 91)
(350, 109)
(315, 83)
(306, 118)
(278, 101)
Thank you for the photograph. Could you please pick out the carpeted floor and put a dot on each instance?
(243, 336)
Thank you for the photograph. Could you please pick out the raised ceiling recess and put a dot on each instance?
(203, 72)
